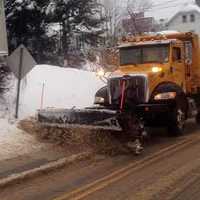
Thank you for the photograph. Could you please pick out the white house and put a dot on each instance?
(187, 19)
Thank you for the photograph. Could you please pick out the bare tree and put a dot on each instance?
(139, 6)
(113, 14)
(135, 7)
(117, 11)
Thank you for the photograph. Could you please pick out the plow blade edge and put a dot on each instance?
(85, 118)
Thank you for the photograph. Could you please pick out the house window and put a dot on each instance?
(184, 18)
(192, 18)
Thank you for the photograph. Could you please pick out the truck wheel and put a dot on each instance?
(177, 122)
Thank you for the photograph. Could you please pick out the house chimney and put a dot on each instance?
(197, 2)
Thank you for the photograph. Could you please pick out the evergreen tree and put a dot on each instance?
(77, 16)
(26, 24)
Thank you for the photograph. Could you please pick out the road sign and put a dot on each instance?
(28, 62)
(3, 33)
(20, 62)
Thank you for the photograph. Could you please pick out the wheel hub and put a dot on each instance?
(180, 118)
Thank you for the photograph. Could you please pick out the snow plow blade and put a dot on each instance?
(94, 119)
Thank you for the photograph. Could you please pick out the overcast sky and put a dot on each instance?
(161, 9)
(166, 8)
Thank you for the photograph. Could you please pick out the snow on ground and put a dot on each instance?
(63, 88)
(14, 142)
(168, 32)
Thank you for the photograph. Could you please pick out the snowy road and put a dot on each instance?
(169, 169)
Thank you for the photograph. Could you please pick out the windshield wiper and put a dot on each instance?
(160, 62)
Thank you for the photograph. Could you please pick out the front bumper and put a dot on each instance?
(154, 108)
(155, 114)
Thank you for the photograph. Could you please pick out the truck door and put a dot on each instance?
(178, 66)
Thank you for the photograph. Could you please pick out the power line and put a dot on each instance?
(162, 7)
(165, 7)
(166, 2)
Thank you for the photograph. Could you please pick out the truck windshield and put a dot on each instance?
(144, 54)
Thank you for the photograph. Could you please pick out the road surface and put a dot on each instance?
(169, 169)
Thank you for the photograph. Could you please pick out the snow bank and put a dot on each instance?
(63, 88)
(168, 32)
(8, 99)
(13, 142)
(50, 86)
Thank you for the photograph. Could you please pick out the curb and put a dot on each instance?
(15, 178)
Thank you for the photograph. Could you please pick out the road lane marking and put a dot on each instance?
(117, 175)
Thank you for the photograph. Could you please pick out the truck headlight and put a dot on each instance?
(100, 73)
(165, 96)
(156, 69)
(99, 100)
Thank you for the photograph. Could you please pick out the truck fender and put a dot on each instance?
(181, 97)
(103, 92)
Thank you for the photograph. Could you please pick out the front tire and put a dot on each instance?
(177, 123)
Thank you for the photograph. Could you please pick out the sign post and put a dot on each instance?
(19, 81)
(21, 63)
(42, 96)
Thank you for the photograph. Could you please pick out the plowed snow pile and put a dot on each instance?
(78, 140)
(62, 88)
(14, 142)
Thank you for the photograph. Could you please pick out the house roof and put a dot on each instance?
(144, 43)
(188, 7)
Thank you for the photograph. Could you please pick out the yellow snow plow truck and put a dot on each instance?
(157, 84)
